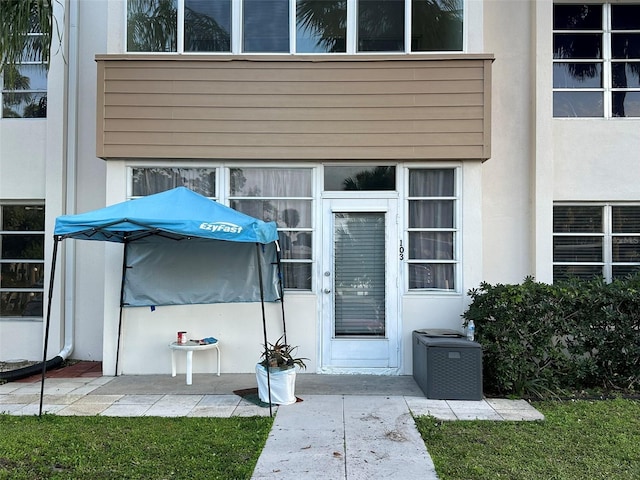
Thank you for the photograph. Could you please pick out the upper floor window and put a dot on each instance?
(21, 261)
(24, 83)
(294, 26)
(596, 60)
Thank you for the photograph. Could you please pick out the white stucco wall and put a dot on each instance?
(596, 159)
(506, 175)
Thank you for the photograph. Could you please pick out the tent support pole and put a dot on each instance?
(281, 287)
(48, 321)
(124, 270)
(264, 325)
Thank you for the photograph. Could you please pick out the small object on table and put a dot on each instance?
(190, 347)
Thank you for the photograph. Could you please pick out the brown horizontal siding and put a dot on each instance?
(294, 108)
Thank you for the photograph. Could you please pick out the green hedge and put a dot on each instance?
(540, 340)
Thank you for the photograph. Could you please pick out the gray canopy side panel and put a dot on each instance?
(197, 271)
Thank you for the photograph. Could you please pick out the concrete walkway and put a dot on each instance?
(346, 427)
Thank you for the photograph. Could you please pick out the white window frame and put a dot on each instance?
(606, 61)
(34, 91)
(351, 33)
(457, 232)
(35, 261)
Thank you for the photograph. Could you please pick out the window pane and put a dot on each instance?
(626, 104)
(625, 45)
(296, 275)
(625, 17)
(381, 25)
(577, 17)
(207, 25)
(431, 213)
(578, 104)
(577, 219)
(24, 105)
(147, 181)
(626, 249)
(26, 77)
(577, 249)
(435, 275)
(270, 182)
(577, 75)
(295, 244)
(321, 26)
(626, 219)
(621, 271)
(625, 74)
(266, 26)
(17, 218)
(21, 304)
(359, 178)
(432, 183)
(431, 245)
(22, 246)
(21, 275)
(577, 45)
(287, 213)
(152, 25)
(436, 25)
(564, 272)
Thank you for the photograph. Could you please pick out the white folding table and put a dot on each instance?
(189, 348)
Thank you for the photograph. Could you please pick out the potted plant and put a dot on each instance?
(279, 358)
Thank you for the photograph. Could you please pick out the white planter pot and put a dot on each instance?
(283, 385)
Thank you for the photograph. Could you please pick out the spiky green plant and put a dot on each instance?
(281, 355)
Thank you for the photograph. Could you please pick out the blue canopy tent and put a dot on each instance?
(168, 236)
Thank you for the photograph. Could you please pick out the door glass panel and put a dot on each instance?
(359, 242)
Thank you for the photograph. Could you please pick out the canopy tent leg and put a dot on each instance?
(264, 325)
(48, 321)
(281, 288)
(124, 272)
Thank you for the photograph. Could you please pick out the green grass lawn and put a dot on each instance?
(578, 440)
(92, 448)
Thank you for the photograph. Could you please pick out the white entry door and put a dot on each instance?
(359, 286)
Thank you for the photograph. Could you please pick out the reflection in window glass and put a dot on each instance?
(359, 177)
(577, 75)
(266, 26)
(436, 25)
(24, 85)
(578, 104)
(21, 260)
(603, 42)
(284, 196)
(207, 25)
(380, 25)
(148, 181)
(152, 25)
(321, 26)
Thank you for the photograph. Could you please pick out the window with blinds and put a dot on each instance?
(592, 240)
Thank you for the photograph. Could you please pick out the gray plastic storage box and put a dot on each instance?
(447, 367)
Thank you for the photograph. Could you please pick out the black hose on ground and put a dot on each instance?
(36, 369)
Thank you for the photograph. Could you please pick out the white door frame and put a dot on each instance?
(371, 355)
